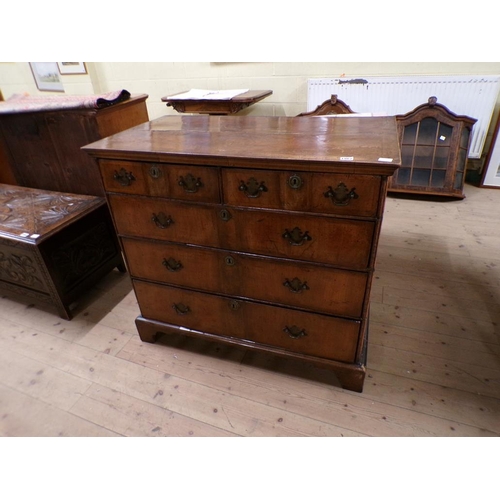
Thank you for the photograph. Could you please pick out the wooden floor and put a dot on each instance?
(433, 355)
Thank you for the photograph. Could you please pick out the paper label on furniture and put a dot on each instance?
(387, 160)
(35, 236)
(347, 158)
(23, 235)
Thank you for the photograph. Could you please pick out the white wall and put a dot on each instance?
(287, 80)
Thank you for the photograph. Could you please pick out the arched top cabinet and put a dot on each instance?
(332, 106)
(434, 144)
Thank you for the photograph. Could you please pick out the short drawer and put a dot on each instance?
(296, 284)
(340, 194)
(297, 331)
(330, 240)
(181, 182)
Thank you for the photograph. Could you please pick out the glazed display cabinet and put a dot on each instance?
(434, 145)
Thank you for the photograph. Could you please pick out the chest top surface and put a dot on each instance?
(32, 214)
(365, 143)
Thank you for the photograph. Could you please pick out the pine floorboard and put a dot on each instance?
(433, 354)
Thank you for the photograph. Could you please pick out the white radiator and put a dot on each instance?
(473, 96)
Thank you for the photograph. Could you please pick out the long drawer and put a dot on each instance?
(298, 284)
(341, 194)
(342, 242)
(297, 331)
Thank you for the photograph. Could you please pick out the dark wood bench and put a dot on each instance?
(54, 246)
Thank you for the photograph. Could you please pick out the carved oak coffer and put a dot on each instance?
(54, 246)
(259, 232)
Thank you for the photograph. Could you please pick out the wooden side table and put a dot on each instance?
(216, 106)
(54, 246)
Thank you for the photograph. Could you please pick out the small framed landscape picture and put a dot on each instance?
(72, 68)
(46, 76)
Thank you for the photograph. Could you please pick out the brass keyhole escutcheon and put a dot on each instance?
(295, 182)
(225, 215)
(234, 305)
(229, 260)
(155, 172)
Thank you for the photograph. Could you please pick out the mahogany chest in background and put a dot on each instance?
(254, 231)
(41, 149)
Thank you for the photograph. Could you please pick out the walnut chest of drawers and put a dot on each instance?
(254, 231)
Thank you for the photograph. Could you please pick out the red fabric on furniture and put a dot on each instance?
(20, 103)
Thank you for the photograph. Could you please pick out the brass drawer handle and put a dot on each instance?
(161, 220)
(252, 188)
(181, 309)
(172, 264)
(295, 332)
(123, 177)
(296, 237)
(341, 195)
(295, 285)
(190, 184)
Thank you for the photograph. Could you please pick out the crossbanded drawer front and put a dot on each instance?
(179, 182)
(340, 194)
(326, 290)
(302, 332)
(340, 242)
(165, 220)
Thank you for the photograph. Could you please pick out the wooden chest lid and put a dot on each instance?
(32, 214)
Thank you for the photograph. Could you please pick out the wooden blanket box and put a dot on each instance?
(54, 246)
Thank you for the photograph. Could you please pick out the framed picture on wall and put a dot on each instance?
(46, 76)
(72, 68)
(491, 170)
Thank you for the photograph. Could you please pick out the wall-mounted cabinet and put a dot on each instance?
(434, 143)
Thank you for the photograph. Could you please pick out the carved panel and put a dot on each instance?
(79, 257)
(26, 211)
(20, 268)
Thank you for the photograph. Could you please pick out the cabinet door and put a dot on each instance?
(425, 151)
